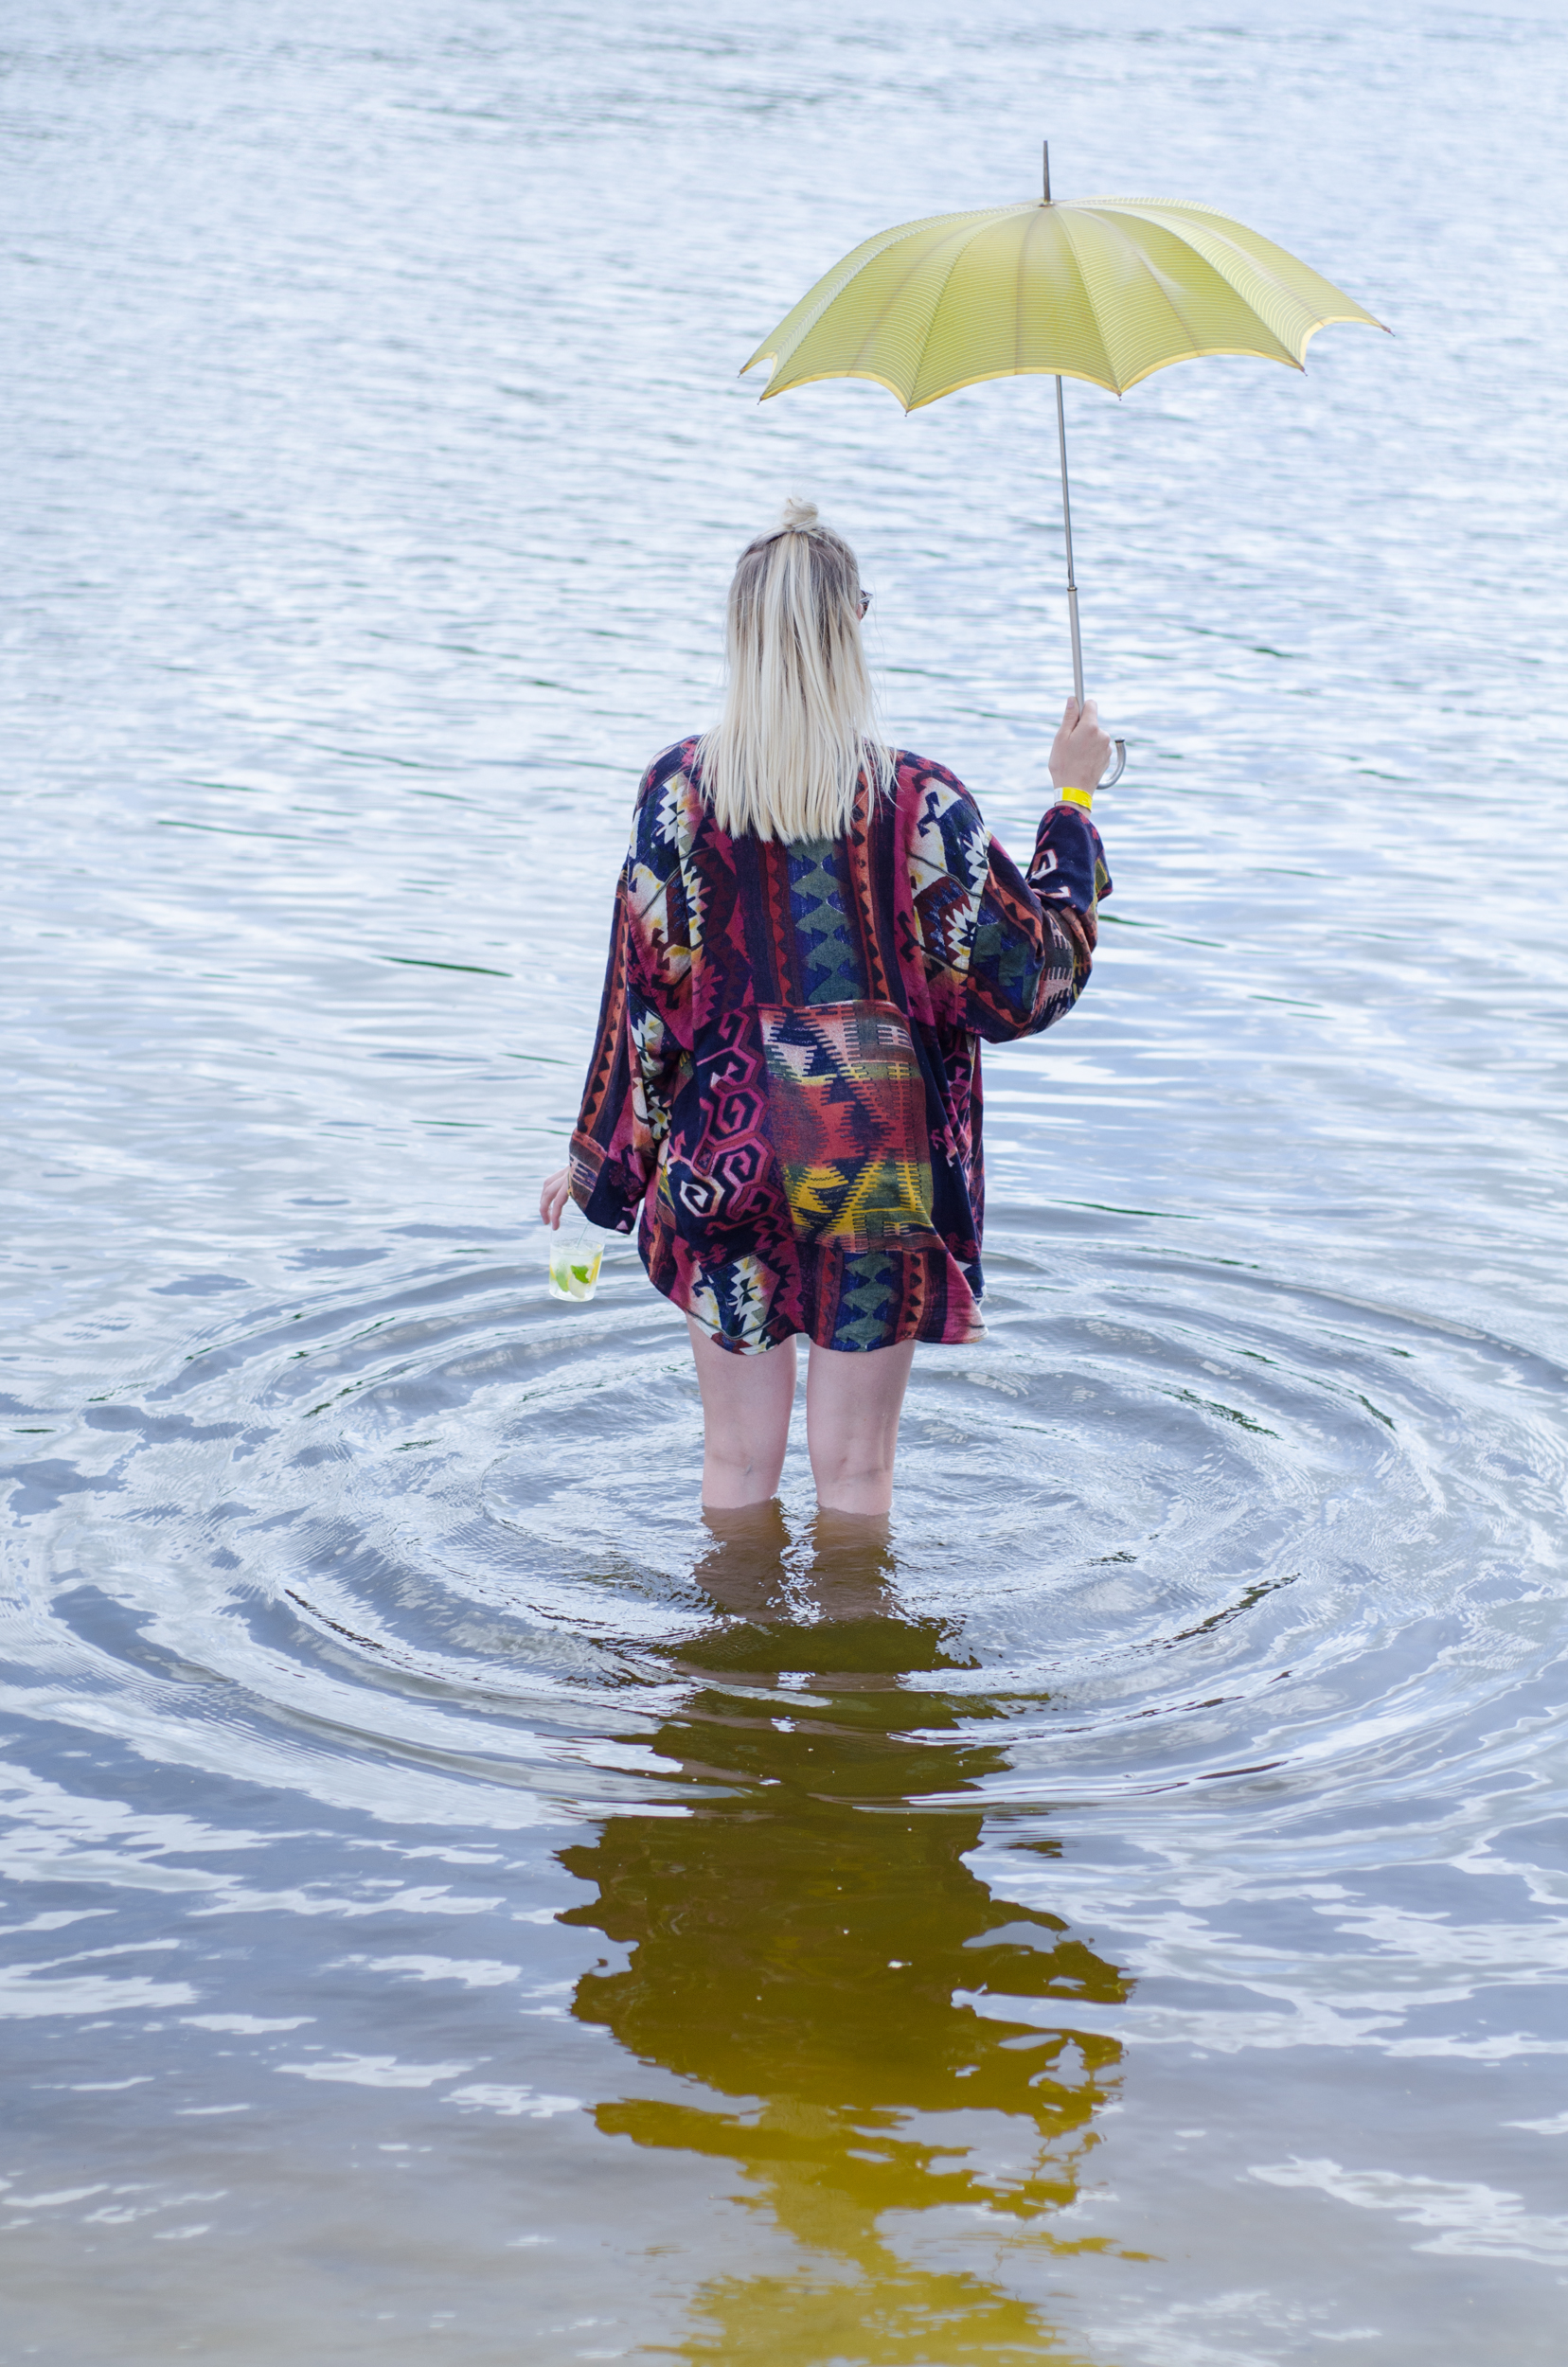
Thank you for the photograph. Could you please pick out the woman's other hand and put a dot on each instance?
(553, 1196)
(1080, 751)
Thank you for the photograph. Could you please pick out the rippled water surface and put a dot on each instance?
(458, 1905)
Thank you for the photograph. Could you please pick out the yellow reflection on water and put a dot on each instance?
(805, 1947)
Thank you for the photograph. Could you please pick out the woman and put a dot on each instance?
(812, 932)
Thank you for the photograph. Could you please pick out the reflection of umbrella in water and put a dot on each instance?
(812, 1955)
(1110, 288)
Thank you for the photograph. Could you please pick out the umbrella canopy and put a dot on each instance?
(1109, 289)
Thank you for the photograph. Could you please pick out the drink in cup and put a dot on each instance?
(577, 1250)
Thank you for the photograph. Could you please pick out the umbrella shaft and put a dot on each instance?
(1068, 529)
(1078, 646)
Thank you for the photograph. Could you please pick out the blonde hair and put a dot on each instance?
(798, 729)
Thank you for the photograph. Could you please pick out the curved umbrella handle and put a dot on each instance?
(1109, 780)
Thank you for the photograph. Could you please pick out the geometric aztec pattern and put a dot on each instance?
(784, 1095)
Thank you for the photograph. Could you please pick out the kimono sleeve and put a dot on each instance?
(1069, 860)
(638, 1043)
(996, 953)
(1026, 970)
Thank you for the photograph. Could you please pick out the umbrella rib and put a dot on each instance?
(826, 292)
(1175, 308)
(1142, 262)
(870, 339)
(960, 249)
(1292, 354)
(1066, 220)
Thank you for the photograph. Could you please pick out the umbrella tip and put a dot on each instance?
(1046, 162)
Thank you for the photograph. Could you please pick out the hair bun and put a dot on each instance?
(798, 517)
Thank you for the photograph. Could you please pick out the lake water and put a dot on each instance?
(458, 1908)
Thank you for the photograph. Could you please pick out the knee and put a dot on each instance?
(738, 1471)
(853, 1458)
(740, 1455)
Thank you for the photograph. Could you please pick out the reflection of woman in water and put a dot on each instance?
(856, 2020)
(812, 934)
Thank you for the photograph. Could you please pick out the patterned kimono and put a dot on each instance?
(786, 1078)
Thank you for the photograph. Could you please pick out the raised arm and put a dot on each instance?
(1005, 955)
(1034, 939)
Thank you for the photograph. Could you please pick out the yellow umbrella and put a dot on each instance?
(1109, 290)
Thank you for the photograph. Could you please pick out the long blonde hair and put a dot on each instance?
(798, 729)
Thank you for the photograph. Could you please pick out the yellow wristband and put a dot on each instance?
(1084, 797)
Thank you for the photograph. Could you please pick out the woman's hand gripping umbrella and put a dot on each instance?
(1110, 290)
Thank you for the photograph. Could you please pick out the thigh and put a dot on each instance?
(856, 1394)
(746, 1399)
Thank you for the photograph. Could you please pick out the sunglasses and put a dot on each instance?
(864, 602)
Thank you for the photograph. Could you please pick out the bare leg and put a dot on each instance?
(853, 1400)
(746, 1406)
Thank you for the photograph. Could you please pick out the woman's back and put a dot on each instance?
(788, 1052)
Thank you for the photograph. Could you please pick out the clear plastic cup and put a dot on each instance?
(576, 1250)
